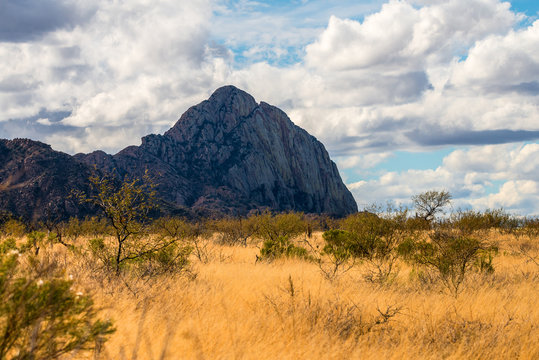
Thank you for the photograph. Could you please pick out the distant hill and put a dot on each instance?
(226, 155)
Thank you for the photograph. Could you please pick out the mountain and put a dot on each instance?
(226, 155)
(36, 181)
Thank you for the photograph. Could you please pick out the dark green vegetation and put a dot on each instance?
(42, 316)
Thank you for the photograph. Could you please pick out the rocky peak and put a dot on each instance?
(218, 115)
(233, 100)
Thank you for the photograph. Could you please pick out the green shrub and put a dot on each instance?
(339, 244)
(186, 236)
(273, 227)
(281, 247)
(41, 317)
(337, 250)
(375, 239)
(451, 255)
(34, 241)
(170, 259)
(472, 222)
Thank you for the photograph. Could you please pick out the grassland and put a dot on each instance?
(231, 307)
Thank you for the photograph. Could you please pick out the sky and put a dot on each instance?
(406, 95)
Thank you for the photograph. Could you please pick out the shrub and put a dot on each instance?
(281, 247)
(234, 231)
(273, 227)
(165, 248)
(94, 227)
(375, 239)
(277, 232)
(35, 241)
(41, 316)
(170, 259)
(338, 250)
(451, 255)
(470, 222)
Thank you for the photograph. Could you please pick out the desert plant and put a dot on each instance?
(471, 222)
(93, 226)
(41, 316)
(175, 239)
(277, 232)
(35, 240)
(234, 231)
(272, 227)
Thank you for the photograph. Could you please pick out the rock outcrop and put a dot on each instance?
(228, 155)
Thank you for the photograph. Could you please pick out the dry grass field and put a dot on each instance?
(230, 307)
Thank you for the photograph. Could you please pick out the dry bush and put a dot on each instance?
(331, 316)
(234, 231)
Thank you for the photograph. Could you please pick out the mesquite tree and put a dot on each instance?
(126, 207)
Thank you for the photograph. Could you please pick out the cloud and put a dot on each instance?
(502, 136)
(133, 64)
(368, 82)
(401, 36)
(503, 63)
(401, 79)
(28, 20)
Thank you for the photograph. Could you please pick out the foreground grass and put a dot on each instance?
(235, 308)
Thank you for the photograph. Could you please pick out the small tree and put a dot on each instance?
(430, 203)
(126, 207)
(272, 227)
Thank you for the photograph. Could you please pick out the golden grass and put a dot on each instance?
(236, 309)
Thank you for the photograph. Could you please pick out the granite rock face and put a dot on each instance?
(226, 155)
